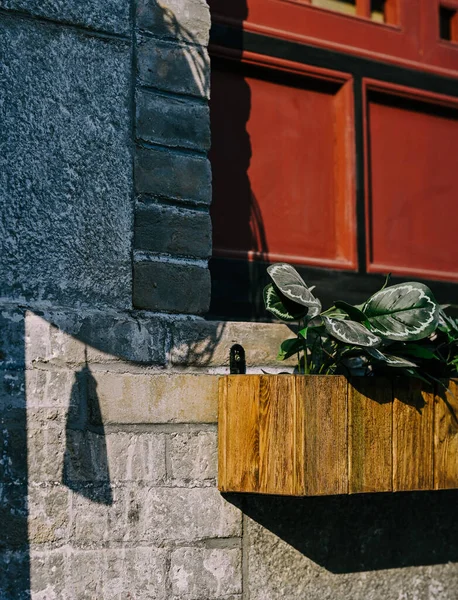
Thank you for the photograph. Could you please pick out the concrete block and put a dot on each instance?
(172, 230)
(55, 395)
(187, 21)
(172, 287)
(114, 457)
(193, 457)
(206, 573)
(174, 175)
(152, 515)
(154, 398)
(112, 16)
(48, 508)
(117, 574)
(209, 343)
(174, 67)
(172, 121)
(72, 338)
(66, 174)
(47, 574)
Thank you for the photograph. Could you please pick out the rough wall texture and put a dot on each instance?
(108, 410)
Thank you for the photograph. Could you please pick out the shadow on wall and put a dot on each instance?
(364, 532)
(236, 213)
(84, 467)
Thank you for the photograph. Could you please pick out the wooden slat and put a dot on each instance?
(326, 468)
(370, 435)
(412, 436)
(278, 436)
(239, 444)
(446, 436)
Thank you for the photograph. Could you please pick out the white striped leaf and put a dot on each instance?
(390, 359)
(404, 312)
(281, 307)
(351, 332)
(291, 284)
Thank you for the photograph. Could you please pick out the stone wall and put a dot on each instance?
(108, 395)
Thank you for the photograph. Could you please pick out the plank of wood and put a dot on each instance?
(326, 459)
(370, 467)
(412, 436)
(446, 436)
(239, 431)
(278, 436)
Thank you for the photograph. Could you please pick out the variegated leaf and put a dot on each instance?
(291, 284)
(350, 332)
(281, 307)
(404, 312)
(390, 359)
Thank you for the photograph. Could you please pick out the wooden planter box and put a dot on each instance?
(322, 435)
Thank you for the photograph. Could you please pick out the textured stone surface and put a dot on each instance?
(71, 338)
(118, 574)
(173, 121)
(172, 230)
(150, 514)
(107, 15)
(65, 166)
(368, 547)
(173, 175)
(173, 287)
(206, 573)
(193, 457)
(155, 398)
(174, 67)
(104, 574)
(48, 508)
(208, 343)
(187, 21)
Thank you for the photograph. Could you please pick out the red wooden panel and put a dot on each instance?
(411, 165)
(397, 40)
(283, 165)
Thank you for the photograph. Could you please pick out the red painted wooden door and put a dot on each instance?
(335, 130)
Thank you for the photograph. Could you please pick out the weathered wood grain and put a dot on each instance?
(322, 435)
(326, 458)
(239, 434)
(278, 448)
(412, 436)
(446, 436)
(370, 461)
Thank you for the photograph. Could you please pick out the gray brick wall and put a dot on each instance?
(172, 172)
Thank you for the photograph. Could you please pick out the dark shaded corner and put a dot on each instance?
(364, 532)
(14, 505)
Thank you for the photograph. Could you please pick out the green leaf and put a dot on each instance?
(289, 347)
(280, 306)
(418, 351)
(403, 312)
(391, 359)
(350, 332)
(353, 312)
(291, 285)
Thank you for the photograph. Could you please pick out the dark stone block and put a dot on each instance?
(171, 287)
